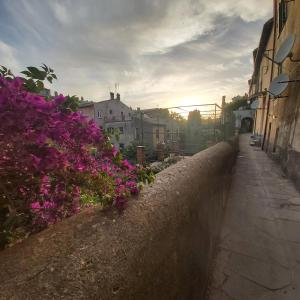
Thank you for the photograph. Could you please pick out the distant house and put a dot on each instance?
(173, 128)
(45, 93)
(113, 116)
(87, 109)
(149, 132)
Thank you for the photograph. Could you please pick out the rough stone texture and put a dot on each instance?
(292, 166)
(259, 251)
(159, 248)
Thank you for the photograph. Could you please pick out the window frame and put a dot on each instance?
(157, 133)
(282, 15)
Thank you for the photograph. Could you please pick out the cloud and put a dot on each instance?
(60, 13)
(167, 51)
(8, 56)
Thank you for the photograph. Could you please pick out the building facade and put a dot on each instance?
(244, 119)
(173, 129)
(149, 132)
(130, 126)
(113, 116)
(277, 118)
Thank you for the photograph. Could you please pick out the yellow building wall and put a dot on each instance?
(283, 112)
(264, 82)
(281, 125)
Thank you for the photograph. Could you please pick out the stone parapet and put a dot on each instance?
(160, 247)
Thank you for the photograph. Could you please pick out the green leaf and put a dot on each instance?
(45, 68)
(30, 85)
(49, 78)
(27, 73)
(40, 85)
(37, 74)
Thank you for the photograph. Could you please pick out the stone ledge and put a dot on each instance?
(159, 248)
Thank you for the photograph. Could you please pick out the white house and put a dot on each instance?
(113, 116)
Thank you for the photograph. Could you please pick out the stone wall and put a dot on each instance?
(161, 247)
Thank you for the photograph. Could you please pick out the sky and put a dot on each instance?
(162, 53)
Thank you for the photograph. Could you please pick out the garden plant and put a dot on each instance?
(54, 162)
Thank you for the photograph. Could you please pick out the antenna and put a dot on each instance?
(278, 85)
(285, 50)
(117, 87)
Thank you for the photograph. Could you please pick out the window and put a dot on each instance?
(122, 116)
(157, 133)
(121, 129)
(110, 130)
(99, 115)
(168, 134)
(260, 85)
(276, 140)
(283, 14)
(110, 111)
(137, 133)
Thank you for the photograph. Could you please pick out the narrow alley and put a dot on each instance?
(259, 251)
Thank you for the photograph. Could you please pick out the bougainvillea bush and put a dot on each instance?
(53, 163)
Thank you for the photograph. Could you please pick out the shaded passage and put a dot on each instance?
(259, 251)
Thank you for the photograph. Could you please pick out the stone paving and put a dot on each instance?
(259, 252)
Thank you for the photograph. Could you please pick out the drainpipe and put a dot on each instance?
(272, 67)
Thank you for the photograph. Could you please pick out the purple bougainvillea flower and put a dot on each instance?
(55, 158)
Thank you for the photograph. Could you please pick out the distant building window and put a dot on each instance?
(121, 129)
(283, 14)
(122, 116)
(110, 111)
(137, 133)
(168, 135)
(129, 115)
(110, 130)
(99, 115)
(157, 133)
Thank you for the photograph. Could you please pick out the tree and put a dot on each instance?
(236, 102)
(34, 82)
(177, 117)
(194, 117)
(34, 77)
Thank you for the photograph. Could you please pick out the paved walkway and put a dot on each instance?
(259, 252)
